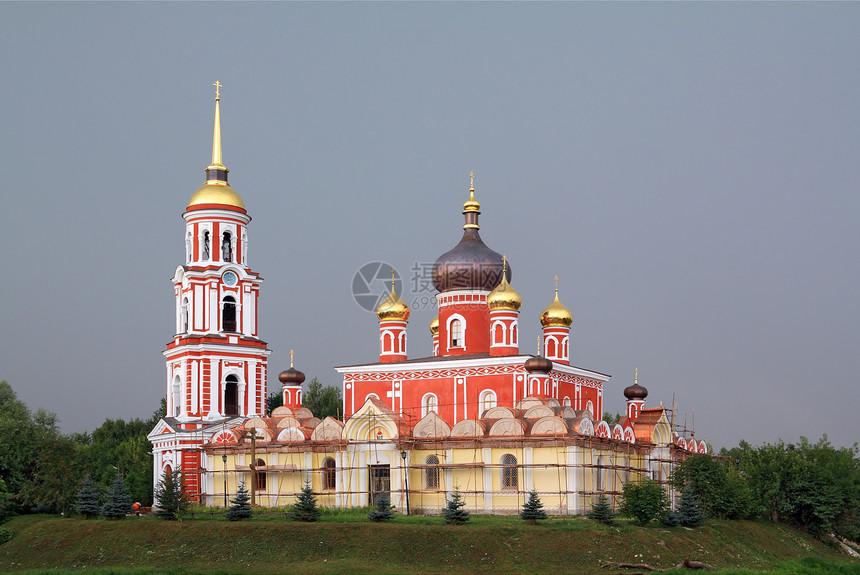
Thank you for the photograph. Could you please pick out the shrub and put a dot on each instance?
(171, 497)
(643, 501)
(5, 535)
(689, 511)
(87, 500)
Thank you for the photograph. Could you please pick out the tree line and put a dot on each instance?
(41, 469)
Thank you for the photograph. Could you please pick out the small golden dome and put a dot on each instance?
(504, 297)
(392, 308)
(472, 205)
(556, 314)
(434, 326)
(216, 193)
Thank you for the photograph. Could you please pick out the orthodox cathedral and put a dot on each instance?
(478, 416)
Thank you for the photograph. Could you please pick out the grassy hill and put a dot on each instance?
(406, 545)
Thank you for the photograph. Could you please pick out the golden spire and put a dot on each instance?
(291, 358)
(216, 137)
(636, 377)
(216, 190)
(538, 339)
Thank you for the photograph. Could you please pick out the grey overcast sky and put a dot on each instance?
(690, 172)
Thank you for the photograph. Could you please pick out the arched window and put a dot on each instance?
(188, 250)
(564, 347)
(509, 472)
(387, 341)
(499, 333)
(231, 395)
(329, 473)
(566, 401)
(177, 396)
(227, 247)
(261, 475)
(550, 347)
(488, 400)
(514, 340)
(431, 474)
(183, 316)
(428, 404)
(228, 314)
(590, 407)
(456, 332)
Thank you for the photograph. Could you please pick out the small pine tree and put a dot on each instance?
(602, 511)
(119, 503)
(454, 512)
(171, 498)
(689, 510)
(306, 508)
(240, 507)
(532, 508)
(670, 519)
(382, 510)
(87, 499)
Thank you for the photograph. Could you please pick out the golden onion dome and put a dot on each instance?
(216, 193)
(392, 308)
(504, 297)
(556, 314)
(434, 326)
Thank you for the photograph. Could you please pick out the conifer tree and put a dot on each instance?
(454, 512)
(87, 500)
(602, 511)
(533, 508)
(689, 510)
(306, 508)
(240, 507)
(382, 510)
(171, 497)
(119, 503)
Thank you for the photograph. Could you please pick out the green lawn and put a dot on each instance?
(344, 542)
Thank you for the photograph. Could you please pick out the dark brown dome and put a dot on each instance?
(470, 265)
(291, 376)
(635, 391)
(538, 363)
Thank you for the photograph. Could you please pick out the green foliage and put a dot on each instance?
(611, 419)
(171, 497)
(23, 438)
(120, 446)
(87, 500)
(274, 400)
(671, 519)
(56, 480)
(305, 508)
(533, 508)
(601, 510)
(5, 535)
(455, 512)
(689, 512)
(118, 504)
(643, 501)
(382, 510)
(814, 486)
(721, 491)
(322, 401)
(240, 507)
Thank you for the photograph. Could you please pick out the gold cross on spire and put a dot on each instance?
(504, 266)
(291, 358)
(538, 339)
(393, 273)
(556, 285)
(636, 377)
(218, 85)
(472, 181)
